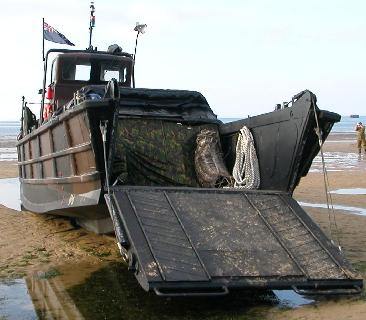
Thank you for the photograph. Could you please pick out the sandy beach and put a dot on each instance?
(31, 242)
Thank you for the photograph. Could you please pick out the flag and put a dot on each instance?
(51, 34)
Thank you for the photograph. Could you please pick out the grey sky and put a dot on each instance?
(244, 56)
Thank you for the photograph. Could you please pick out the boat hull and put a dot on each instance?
(77, 199)
(60, 167)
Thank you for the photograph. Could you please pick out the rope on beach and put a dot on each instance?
(328, 195)
(246, 167)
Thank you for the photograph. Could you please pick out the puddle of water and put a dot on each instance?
(10, 193)
(15, 302)
(353, 210)
(339, 161)
(352, 191)
(289, 298)
(76, 292)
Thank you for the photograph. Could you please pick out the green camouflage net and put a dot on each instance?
(151, 152)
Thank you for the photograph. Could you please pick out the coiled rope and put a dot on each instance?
(246, 167)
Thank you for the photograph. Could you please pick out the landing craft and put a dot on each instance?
(198, 206)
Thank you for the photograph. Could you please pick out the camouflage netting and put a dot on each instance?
(153, 152)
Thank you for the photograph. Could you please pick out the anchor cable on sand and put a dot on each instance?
(246, 167)
(328, 195)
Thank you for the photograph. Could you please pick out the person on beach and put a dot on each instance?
(360, 129)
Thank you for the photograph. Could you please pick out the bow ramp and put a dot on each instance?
(188, 241)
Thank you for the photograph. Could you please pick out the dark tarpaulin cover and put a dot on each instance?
(183, 104)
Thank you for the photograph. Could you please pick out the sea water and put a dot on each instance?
(347, 124)
(9, 129)
(8, 135)
(10, 193)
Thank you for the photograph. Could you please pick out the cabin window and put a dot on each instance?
(78, 72)
(82, 72)
(113, 70)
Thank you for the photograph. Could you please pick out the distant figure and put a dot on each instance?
(360, 129)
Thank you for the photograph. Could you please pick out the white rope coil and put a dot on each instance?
(246, 167)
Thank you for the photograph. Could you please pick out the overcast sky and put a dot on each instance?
(244, 56)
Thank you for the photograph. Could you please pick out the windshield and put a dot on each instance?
(79, 71)
(113, 69)
(82, 69)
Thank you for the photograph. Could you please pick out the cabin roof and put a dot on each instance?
(90, 54)
(99, 55)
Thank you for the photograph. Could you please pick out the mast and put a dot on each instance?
(91, 24)
(22, 119)
(43, 39)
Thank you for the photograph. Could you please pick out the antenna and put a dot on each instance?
(91, 24)
(140, 28)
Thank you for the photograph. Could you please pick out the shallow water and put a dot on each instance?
(15, 301)
(340, 141)
(347, 124)
(291, 299)
(339, 161)
(350, 191)
(353, 210)
(73, 292)
(8, 154)
(10, 193)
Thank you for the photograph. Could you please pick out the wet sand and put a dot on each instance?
(351, 228)
(30, 243)
(342, 142)
(8, 169)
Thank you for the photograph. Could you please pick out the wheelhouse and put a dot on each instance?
(73, 69)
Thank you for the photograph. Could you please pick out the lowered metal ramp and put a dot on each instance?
(184, 241)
